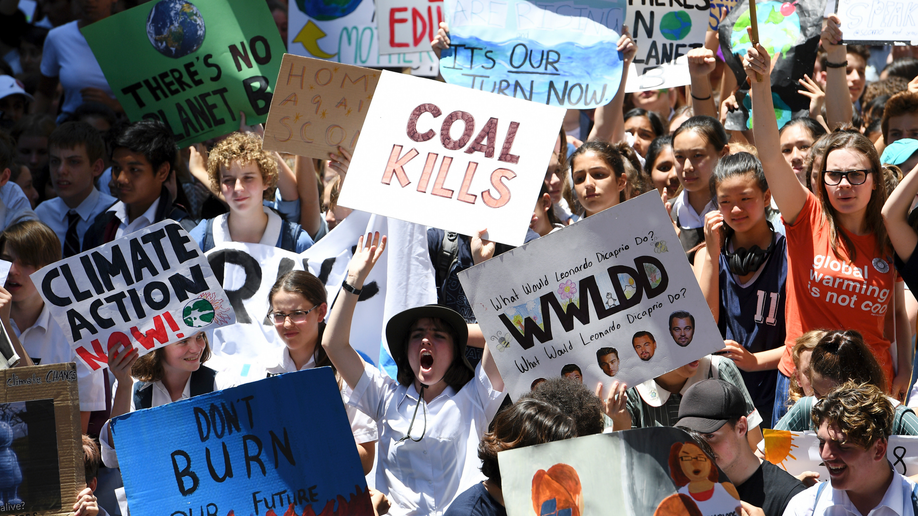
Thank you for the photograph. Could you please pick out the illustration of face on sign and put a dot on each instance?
(790, 32)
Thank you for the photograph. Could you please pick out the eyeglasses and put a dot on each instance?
(296, 317)
(689, 458)
(854, 177)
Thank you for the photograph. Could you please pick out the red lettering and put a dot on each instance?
(412, 130)
(392, 21)
(464, 194)
(99, 355)
(489, 133)
(503, 193)
(438, 189)
(505, 155)
(157, 333)
(418, 18)
(395, 164)
(445, 137)
(425, 174)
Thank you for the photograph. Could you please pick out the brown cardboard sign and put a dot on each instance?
(41, 458)
(317, 106)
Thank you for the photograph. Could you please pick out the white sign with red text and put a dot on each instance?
(407, 26)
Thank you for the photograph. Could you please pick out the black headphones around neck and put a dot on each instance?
(744, 261)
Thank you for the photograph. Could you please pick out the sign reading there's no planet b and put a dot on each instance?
(146, 290)
(281, 445)
(664, 33)
(556, 52)
(451, 158)
(620, 303)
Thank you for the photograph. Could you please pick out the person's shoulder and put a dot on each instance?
(778, 481)
(803, 503)
(49, 208)
(475, 501)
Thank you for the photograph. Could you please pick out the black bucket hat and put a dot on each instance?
(400, 324)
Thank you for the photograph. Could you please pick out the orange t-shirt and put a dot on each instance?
(828, 293)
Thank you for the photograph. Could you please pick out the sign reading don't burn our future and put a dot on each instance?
(145, 290)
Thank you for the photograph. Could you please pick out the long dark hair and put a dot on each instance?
(843, 355)
(312, 290)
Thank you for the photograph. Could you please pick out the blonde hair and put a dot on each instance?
(242, 148)
(805, 342)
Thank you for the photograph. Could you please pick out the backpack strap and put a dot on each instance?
(449, 255)
(209, 235)
(143, 395)
(290, 232)
(822, 487)
(202, 381)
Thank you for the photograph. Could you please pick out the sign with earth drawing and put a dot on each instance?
(193, 65)
(555, 52)
(146, 290)
(345, 31)
(664, 33)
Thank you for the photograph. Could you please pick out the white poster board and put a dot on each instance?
(878, 22)
(407, 26)
(145, 290)
(620, 276)
(798, 452)
(451, 157)
(664, 35)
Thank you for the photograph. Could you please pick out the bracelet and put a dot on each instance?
(843, 64)
(700, 98)
(348, 288)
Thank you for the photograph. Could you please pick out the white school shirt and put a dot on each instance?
(144, 220)
(45, 341)
(423, 478)
(54, 213)
(686, 214)
(362, 426)
(835, 502)
(270, 237)
(14, 205)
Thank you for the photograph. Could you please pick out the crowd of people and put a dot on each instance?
(802, 239)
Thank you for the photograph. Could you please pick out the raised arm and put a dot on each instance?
(707, 261)
(308, 187)
(120, 361)
(609, 123)
(337, 336)
(840, 109)
(788, 193)
(701, 63)
(895, 216)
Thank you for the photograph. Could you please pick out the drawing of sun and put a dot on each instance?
(778, 446)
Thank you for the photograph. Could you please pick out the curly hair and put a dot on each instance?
(526, 422)
(843, 356)
(902, 103)
(242, 148)
(804, 343)
(149, 368)
(888, 86)
(574, 400)
(861, 411)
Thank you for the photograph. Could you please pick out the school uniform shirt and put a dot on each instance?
(423, 478)
(362, 426)
(45, 343)
(897, 501)
(145, 219)
(14, 205)
(271, 237)
(67, 56)
(798, 419)
(55, 212)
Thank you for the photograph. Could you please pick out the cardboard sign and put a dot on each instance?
(451, 158)
(345, 32)
(248, 271)
(41, 450)
(318, 106)
(878, 22)
(622, 288)
(192, 66)
(635, 472)
(560, 52)
(719, 10)
(407, 26)
(664, 34)
(146, 290)
(798, 452)
(244, 450)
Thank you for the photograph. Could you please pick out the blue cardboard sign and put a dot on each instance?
(556, 52)
(264, 448)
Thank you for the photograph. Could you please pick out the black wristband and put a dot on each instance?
(843, 64)
(348, 288)
(700, 98)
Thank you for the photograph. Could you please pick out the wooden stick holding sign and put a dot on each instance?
(754, 36)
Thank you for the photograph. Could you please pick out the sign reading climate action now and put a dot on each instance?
(152, 288)
(194, 66)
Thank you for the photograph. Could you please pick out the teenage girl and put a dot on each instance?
(660, 166)
(840, 272)
(598, 174)
(742, 270)
(797, 136)
(643, 126)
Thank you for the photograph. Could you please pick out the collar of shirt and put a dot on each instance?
(144, 220)
(86, 207)
(686, 214)
(44, 319)
(269, 237)
(655, 395)
(897, 499)
(410, 393)
(161, 396)
(285, 362)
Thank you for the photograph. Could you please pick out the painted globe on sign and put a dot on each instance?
(324, 10)
(198, 313)
(675, 25)
(175, 28)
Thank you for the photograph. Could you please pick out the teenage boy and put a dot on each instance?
(854, 423)
(900, 118)
(142, 160)
(14, 205)
(76, 151)
(716, 411)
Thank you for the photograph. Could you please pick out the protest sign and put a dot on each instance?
(559, 52)
(317, 106)
(281, 445)
(798, 452)
(445, 127)
(719, 10)
(40, 440)
(248, 271)
(145, 290)
(664, 35)
(192, 66)
(634, 472)
(878, 22)
(790, 32)
(407, 26)
(345, 32)
(614, 291)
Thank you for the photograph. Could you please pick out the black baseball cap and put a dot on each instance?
(399, 325)
(708, 404)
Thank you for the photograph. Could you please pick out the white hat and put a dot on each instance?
(12, 86)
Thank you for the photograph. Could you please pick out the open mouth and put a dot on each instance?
(427, 359)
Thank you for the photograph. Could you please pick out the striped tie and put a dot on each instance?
(72, 239)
